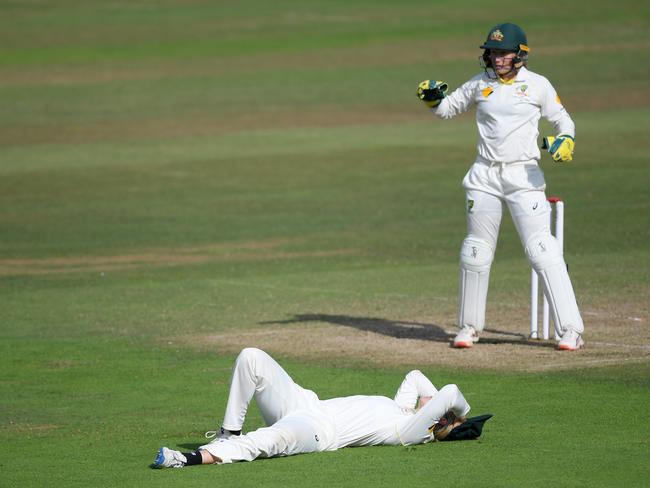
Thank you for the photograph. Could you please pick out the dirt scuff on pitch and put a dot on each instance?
(612, 339)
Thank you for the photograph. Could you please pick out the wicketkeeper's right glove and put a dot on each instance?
(432, 92)
(560, 147)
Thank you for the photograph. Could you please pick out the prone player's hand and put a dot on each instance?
(432, 92)
(560, 147)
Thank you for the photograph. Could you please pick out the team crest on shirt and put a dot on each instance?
(496, 35)
(522, 91)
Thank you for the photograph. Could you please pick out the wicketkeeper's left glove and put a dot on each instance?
(432, 92)
(560, 147)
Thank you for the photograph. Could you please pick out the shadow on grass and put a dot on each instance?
(401, 329)
(514, 338)
(392, 328)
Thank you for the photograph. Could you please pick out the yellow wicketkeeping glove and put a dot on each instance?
(560, 147)
(432, 92)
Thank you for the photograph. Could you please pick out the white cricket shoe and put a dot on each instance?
(570, 341)
(168, 458)
(466, 337)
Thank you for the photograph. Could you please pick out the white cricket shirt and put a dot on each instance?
(507, 114)
(377, 420)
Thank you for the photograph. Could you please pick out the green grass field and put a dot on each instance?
(179, 179)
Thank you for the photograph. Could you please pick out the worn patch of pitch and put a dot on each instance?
(418, 342)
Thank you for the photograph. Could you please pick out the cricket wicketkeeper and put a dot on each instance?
(299, 422)
(509, 101)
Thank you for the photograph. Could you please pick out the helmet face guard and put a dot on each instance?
(521, 58)
(505, 37)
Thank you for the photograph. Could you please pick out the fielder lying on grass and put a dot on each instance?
(299, 422)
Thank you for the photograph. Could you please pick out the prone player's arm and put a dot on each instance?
(414, 386)
(417, 428)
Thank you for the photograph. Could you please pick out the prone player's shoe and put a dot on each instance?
(167, 458)
(570, 341)
(466, 337)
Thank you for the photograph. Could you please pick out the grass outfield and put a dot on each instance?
(92, 420)
(181, 179)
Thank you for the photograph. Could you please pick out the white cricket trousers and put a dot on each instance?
(521, 186)
(296, 421)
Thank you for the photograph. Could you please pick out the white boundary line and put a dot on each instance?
(623, 346)
(588, 362)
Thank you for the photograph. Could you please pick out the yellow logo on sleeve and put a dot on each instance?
(487, 91)
(557, 99)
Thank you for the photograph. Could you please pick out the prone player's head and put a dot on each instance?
(448, 422)
(453, 428)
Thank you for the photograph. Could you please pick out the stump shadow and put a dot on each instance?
(405, 329)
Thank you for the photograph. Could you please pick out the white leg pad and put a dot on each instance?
(545, 256)
(476, 257)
